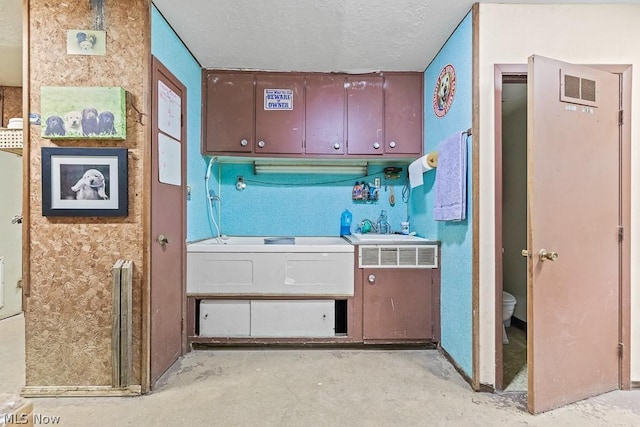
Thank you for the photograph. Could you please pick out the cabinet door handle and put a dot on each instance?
(376, 145)
(244, 142)
(392, 144)
(372, 279)
(336, 146)
(261, 144)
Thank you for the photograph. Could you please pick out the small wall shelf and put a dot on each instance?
(11, 141)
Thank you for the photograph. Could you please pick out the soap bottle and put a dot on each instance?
(345, 223)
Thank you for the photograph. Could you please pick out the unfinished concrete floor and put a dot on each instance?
(309, 387)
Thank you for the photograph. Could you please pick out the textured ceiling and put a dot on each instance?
(292, 35)
(323, 35)
(328, 35)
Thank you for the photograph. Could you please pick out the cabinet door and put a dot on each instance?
(364, 115)
(403, 111)
(325, 114)
(279, 113)
(293, 319)
(397, 304)
(229, 107)
(225, 318)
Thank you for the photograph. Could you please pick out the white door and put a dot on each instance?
(11, 234)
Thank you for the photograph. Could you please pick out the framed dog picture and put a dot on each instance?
(84, 181)
(83, 112)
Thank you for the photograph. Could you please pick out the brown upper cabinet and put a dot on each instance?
(228, 112)
(313, 114)
(403, 111)
(279, 113)
(365, 132)
(325, 114)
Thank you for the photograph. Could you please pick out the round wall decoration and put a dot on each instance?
(444, 91)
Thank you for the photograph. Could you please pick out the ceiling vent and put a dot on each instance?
(577, 89)
(388, 256)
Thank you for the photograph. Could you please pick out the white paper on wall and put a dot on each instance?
(169, 160)
(169, 111)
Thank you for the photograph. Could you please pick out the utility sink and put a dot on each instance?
(375, 238)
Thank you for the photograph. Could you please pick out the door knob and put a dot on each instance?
(372, 279)
(162, 239)
(525, 253)
(547, 255)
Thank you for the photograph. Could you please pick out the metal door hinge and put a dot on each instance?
(620, 116)
(620, 349)
(620, 233)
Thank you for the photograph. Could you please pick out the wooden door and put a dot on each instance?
(168, 221)
(403, 113)
(228, 112)
(325, 114)
(365, 130)
(279, 113)
(397, 304)
(573, 213)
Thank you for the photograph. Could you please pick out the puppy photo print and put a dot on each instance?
(84, 181)
(83, 113)
(86, 42)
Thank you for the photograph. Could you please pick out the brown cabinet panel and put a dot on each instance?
(228, 110)
(397, 304)
(279, 130)
(365, 130)
(403, 111)
(325, 114)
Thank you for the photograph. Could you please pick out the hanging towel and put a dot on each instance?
(450, 202)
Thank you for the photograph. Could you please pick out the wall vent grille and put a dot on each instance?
(577, 90)
(390, 256)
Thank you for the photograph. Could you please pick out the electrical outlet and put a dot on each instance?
(376, 182)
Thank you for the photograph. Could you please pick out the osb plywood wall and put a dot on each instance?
(68, 319)
(10, 104)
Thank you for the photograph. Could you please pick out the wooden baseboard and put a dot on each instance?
(520, 324)
(79, 391)
(635, 385)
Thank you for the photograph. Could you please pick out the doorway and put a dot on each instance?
(11, 232)
(514, 233)
(513, 182)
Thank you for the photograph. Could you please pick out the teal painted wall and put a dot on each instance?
(456, 237)
(300, 205)
(169, 49)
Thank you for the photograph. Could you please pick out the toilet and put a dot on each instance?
(508, 305)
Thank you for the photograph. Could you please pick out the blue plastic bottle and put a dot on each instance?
(345, 223)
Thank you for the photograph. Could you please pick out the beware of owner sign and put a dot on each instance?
(278, 99)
